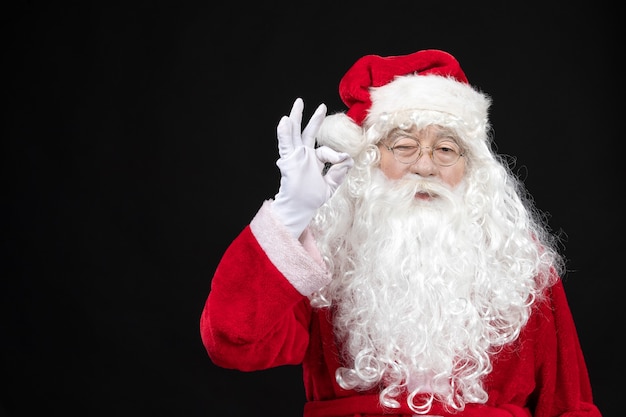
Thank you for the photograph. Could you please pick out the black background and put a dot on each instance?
(139, 139)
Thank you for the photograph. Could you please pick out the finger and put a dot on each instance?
(285, 138)
(311, 129)
(295, 116)
(326, 154)
(296, 110)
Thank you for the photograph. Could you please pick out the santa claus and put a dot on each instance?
(401, 262)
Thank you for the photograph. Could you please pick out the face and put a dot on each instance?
(430, 138)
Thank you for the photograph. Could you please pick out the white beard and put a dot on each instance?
(411, 293)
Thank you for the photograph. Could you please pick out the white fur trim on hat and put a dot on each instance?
(341, 133)
(430, 92)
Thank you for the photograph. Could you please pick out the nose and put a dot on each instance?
(424, 166)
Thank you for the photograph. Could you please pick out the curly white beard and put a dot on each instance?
(420, 299)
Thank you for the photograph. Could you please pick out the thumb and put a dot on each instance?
(340, 162)
(337, 173)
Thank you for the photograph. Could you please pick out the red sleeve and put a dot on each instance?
(253, 318)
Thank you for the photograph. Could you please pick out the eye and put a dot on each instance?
(405, 144)
(405, 147)
(448, 147)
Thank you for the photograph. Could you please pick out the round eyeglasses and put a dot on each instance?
(407, 150)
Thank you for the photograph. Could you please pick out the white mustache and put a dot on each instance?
(413, 185)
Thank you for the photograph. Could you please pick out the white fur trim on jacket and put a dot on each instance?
(299, 261)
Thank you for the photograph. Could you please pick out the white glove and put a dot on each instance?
(304, 187)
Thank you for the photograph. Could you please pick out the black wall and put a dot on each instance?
(139, 139)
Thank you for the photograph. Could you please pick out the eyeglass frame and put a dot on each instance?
(421, 151)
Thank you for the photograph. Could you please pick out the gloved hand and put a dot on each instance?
(304, 187)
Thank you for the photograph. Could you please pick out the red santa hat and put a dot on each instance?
(425, 82)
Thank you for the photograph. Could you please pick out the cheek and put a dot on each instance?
(391, 168)
(453, 176)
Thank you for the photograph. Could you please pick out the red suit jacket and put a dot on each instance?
(257, 316)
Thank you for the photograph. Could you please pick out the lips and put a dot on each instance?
(423, 195)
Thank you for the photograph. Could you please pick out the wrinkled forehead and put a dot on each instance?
(431, 132)
(417, 122)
